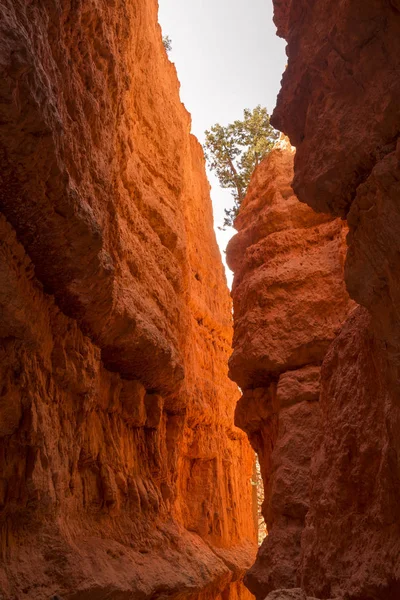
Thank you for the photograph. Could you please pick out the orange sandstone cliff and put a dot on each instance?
(339, 106)
(289, 304)
(121, 472)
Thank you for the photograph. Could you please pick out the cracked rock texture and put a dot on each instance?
(290, 301)
(339, 106)
(121, 472)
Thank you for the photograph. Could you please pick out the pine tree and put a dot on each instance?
(233, 152)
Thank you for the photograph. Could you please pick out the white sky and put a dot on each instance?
(228, 58)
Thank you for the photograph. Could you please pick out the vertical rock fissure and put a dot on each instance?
(258, 500)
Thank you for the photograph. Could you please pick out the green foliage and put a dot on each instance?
(167, 43)
(233, 152)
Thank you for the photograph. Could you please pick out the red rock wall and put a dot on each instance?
(351, 544)
(339, 106)
(289, 304)
(122, 474)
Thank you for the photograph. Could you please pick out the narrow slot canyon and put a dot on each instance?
(141, 401)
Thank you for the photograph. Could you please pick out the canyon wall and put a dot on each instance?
(339, 106)
(122, 474)
(290, 301)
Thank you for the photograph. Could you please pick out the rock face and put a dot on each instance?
(122, 474)
(351, 544)
(342, 74)
(338, 104)
(289, 303)
(289, 594)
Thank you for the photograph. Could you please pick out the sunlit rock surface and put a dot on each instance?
(289, 304)
(122, 474)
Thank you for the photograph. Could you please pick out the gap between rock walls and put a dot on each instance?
(127, 451)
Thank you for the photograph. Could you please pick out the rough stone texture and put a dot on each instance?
(339, 97)
(288, 291)
(298, 386)
(372, 267)
(351, 544)
(342, 74)
(289, 594)
(289, 304)
(339, 106)
(122, 475)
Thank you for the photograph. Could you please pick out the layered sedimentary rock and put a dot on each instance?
(339, 106)
(289, 304)
(122, 474)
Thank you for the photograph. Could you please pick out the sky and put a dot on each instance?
(228, 58)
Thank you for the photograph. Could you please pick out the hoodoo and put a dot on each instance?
(121, 472)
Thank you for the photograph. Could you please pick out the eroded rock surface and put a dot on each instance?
(122, 474)
(289, 594)
(289, 304)
(351, 544)
(287, 262)
(338, 104)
